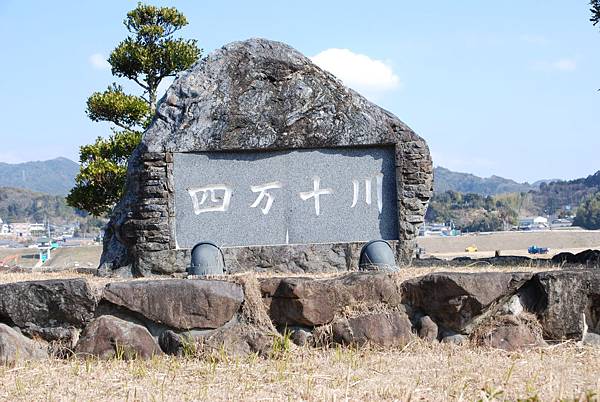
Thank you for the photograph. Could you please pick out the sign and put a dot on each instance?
(285, 197)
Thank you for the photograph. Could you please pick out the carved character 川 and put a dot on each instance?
(368, 190)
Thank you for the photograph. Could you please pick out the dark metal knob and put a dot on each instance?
(207, 259)
(377, 255)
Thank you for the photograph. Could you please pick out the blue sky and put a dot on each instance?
(505, 87)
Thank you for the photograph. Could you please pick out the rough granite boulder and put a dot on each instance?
(298, 301)
(14, 347)
(454, 299)
(49, 308)
(108, 337)
(178, 303)
(239, 339)
(561, 300)
(427, 329)
(254, 95)
(591, 339)
(509, 333)
(588, 258)
(387, 329)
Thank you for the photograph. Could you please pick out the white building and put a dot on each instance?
(4, 228)
(533, 223)
(37, 229)
(20, 229)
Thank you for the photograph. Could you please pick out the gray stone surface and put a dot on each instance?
(110, 337)
(562, 298)
(427, 329)
(591, 339)
(178, 303)
(255, 95)
(392, 329)
(456, 339)
(297, 301)
(454, 299)
(346, 213)
(509, 333)
(14, 346)
(56, 303)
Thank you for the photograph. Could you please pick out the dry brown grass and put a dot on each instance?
(402, 275)
(418, 372)
(8, 277)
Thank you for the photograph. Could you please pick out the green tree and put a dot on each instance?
(595, 4)
(147, 56)
(588, 213)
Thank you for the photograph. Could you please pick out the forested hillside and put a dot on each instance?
(447, 180)
(55, 176)
(554, 196)
(476, 213)
(19, 205)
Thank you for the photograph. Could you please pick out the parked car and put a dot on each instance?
(538, 250)
(471, 249)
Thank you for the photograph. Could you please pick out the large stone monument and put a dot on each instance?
(260, 151)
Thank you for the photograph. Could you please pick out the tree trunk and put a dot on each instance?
(152, 100)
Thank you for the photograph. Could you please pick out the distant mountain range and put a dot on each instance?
(445, 180)
(55, 176)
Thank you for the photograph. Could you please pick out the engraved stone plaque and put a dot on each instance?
(285, 197)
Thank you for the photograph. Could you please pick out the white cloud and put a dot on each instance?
(534, 39)
(565, 65)
(358, 71)
(98, 61)
(562, 65)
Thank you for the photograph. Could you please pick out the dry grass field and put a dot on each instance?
(403, 274)
(67, 257)
(511, 243)
(420, 371)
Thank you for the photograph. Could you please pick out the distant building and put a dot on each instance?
(533, 223)
(20, 229)
(37, 229)
(27, 230)
(4, 228)
(438, 229)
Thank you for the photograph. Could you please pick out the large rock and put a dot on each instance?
(110, 337)
(57, 303)
(253, 95)
(591, 339)
(298, 301)
(14, 347)
(562, 298)
(427, 329)
(240, 339)
(509, 333)
(297, 258)
(589, 258)
(388, 329)
(178, 303)
(454, 299)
